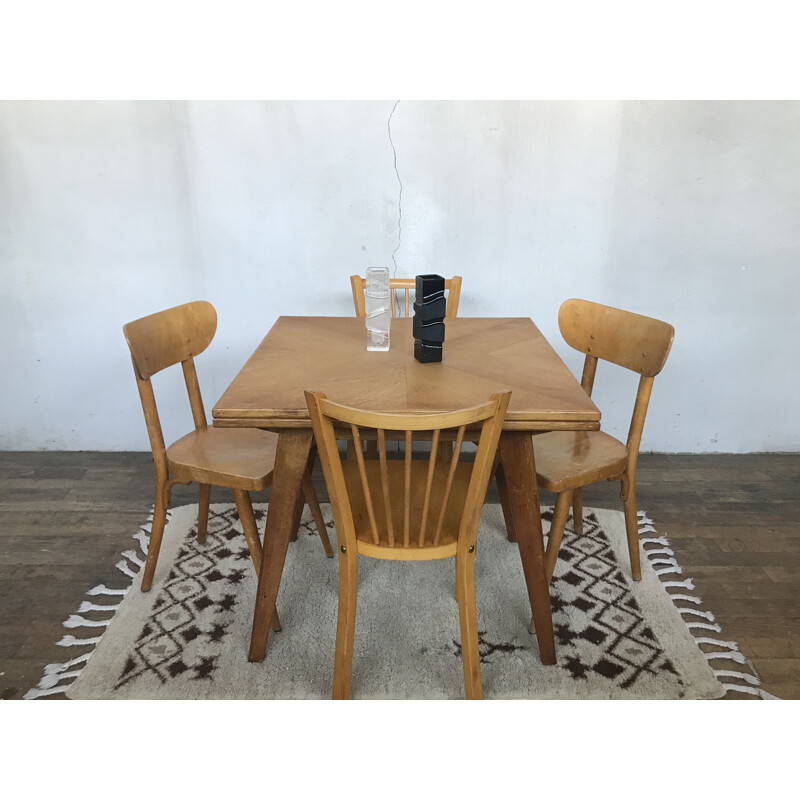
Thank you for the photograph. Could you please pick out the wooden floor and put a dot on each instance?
(733, 521)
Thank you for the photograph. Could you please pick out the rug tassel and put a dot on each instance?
(52, 669)
(687, 584)
(123, 567)
(756, 690)
(705, 626)
(661, 551)
(103, 589)
(131, 556)
(716, 642)
(75, 621)
(726, 673)
(687, 597)
(72, 641)
(739, 658)
(144, 541)
(655, 540)
(704, 614)
(668, 561)
(87, 606)
(676, 570)
(35, 694)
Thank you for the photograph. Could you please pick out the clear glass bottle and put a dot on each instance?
(377, 301)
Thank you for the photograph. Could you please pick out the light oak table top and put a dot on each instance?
(481, 356)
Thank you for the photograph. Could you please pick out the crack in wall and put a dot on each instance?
(400, 198)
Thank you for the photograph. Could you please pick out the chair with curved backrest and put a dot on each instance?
(451, 285)
(240, 459)
(568, 460)
(406, 509)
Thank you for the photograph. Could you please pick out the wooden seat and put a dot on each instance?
(568, 460)
(409, 510)
(406, 285)
(241, 460)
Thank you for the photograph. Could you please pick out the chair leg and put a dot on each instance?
(310, 495)
(560, 514)
(345, 625)
(628, 494)
(156, 533)
(468, 618)
(577, 510)
(244, 507)
(202, 513)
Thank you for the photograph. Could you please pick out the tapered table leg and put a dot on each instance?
(291, 458)
(516, 455)
(505, 503)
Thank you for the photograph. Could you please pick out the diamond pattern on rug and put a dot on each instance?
(599, 627)
(195, 606)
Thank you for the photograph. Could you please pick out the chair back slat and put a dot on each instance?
(630, 340)
(362, 471)
(407, 488)
(451, 285)
(195, 398)
(448, 486)
(428, 484)
(387, 506)
(433, 503)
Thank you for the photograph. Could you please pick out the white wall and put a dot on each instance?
(687, 211)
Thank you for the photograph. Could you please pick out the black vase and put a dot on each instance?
(429, 310)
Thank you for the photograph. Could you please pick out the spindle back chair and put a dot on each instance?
(406, 285)
(407, 509)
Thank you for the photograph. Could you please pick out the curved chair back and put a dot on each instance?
(169, 337)
(633, 341)
(411, 509)
(160, 340)
(451, 285)
(630, 340)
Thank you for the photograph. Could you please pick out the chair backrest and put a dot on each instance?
(633, 341)
(451, 285)
(407, 509)
(160, 340)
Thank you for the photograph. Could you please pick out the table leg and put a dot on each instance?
(516, 455)
(505, 502)
(291, 458)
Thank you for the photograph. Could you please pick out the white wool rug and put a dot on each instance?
(188, 638)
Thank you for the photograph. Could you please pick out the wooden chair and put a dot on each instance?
(451, 285)
(406, 509)
(568, 460)
(238, 459)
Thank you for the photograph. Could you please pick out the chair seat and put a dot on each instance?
(235, 458)
(451, 521)
(571, 459)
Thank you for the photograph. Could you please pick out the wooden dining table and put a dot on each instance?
(481, 356)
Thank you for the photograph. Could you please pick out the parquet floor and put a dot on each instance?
(733, 521)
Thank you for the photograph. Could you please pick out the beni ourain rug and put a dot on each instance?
(189, 636)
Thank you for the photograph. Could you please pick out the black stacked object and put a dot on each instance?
(429, 310)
